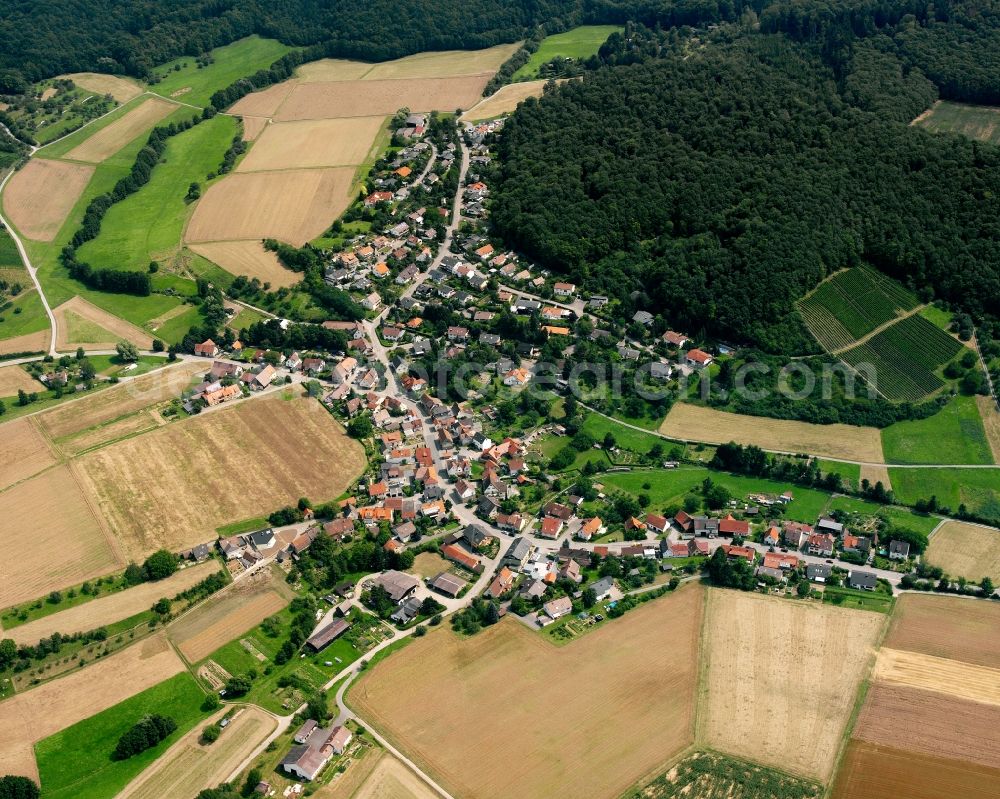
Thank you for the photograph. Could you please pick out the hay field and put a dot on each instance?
(228, 615)
(30, 342)
(57, 537)
(113, 607)
(294, 206)
(695, 423)
(504, 100)
(881, 772)
(253, 126)
(110, 404)
(36, 714)
(313, 143)
(991, 424)
(110, 139)
(174, 486)
(25, 451)
(947, 627)
(118, 328)
(505, 713)
(966, 550)
(952, 677)
(392, 780)
(39, 197)
(934, 724)
(13, 378)
(248, 258)
(264, 103)
(122, 89)
(750, 699)
(189, 766)
(379, 97)
(444, 63)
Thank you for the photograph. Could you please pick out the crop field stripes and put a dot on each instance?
(851, 304)
(905, 356)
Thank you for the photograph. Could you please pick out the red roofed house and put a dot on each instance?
(502, 583)
(590, 529)
(675, 339)
(698, 359)
(746, 553)
(458, 555)
(777, 560)
(656, 523)
(378, 197)
(821, 544)
(551, 527)
(207, 349)
(730, 526)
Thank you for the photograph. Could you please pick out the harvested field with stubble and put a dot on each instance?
(444, 63)
(113, 607)
(122, 89)
(253, 127)
(58, 540)
(113, 403)
(294, 206)
(952, 677)
(36, 714)
(392, 780)
(109, 140)
(966, 550)
(189, 766)
(248, 258)
(505, 100)
(264, 103)
(227, 616)
(750, 700)
(695, 423)
(113, 431)
(934, 724)
(313, 143)
(30, 342)
(624, 693)
(881, 772)
(947, 627)
(152, 488)
(25, 450)
(14, 378)
(39, 197)
(118, 328)
(364, 98)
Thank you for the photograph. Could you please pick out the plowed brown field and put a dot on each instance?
(880, 772)
(931, 723)
(947, 627)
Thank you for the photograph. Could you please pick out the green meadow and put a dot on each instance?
(977, 489)
(149, 224)
(954, 434)
(76, 762)
(578, 43)
(183, 80)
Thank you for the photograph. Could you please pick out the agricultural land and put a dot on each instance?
(747, 701)
(966, 550)
(626, 694)
(578, 44)
(504, 100)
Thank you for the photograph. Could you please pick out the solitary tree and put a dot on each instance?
(127, 351)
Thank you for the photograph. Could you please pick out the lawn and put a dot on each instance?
(977, 489)
(185, 81)
(901, 517)
(858, 600)
(578, 43)
(668, 487)
(312, 669)
(147, 225)
(625, 437)
(954, 434)
(76, 762)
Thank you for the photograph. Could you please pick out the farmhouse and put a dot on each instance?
(307, 760)
(458, 555)
(207, 349)
(397, 585)
(325, 636)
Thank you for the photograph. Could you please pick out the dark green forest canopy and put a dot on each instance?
(724, 186)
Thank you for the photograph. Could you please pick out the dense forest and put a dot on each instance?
(719, 186)
(955, 42)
